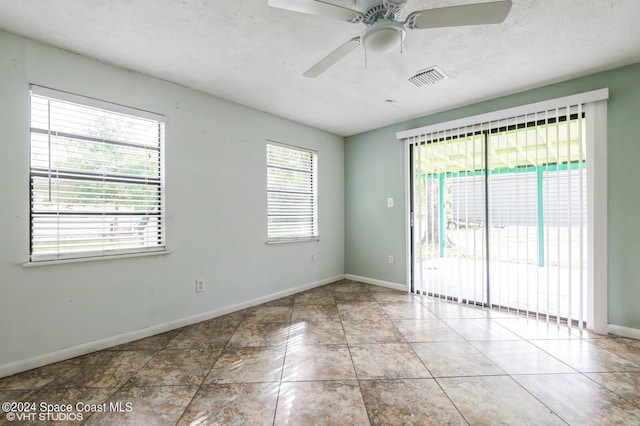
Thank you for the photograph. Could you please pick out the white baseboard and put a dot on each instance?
(86, 348)
(619, 330)
(374, 281)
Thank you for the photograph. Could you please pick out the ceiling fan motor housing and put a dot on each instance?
(373, 10)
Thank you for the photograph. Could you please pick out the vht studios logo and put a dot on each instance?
(44, 417)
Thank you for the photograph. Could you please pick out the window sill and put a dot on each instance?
(292, 240)
(95, 258)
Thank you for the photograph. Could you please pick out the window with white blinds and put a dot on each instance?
(292, 193)
(97, 178)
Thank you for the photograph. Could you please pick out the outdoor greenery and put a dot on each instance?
(93, 161)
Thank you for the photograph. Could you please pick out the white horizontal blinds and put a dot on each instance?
(97, 180)
(292, 193)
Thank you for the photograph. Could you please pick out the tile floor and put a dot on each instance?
(351, 354)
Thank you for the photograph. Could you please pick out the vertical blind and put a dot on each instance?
(292, 193)
(499, 214)
(97, 179)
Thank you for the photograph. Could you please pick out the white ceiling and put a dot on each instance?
(247, 52)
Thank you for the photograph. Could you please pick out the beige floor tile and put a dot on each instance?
(531, 329)
(248, 364)
(67, 396)
(402, 402)
(372, 331)
(360, 311)
(394, 296)
(566, 395)
(268, 314)
(315, 313)
(105, 369)
(399, 311)
(238, 404)
(316, 333)
(353, 297)
(626, 385)
(205, 335)
(14, 396)
(318, 362)
(232, 319)
(475, 329)
(458, 358)
(496, 400)
(628, 349)
(260, 334)
(321, 403)
(446, 310)
(387, 361)
(520, 357)
(429, 330)
(34, 379)
(585, 357)
(176, 368)
(320, 296)
(145, 406)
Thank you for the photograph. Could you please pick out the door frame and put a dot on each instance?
(595, 107)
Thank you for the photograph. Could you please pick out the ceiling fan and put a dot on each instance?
(384, 31)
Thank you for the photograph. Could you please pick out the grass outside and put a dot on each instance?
(514, 244)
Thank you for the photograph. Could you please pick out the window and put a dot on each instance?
(97, 178)
(292, 193)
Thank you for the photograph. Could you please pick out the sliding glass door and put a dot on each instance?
(499, 214)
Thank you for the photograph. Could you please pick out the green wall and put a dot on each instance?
(374, 170)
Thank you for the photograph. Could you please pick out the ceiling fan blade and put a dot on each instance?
(333, 57)
(319, 8)
(454, 16)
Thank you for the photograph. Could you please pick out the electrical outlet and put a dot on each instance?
(391, 259)
(390, 202)
(199, 286)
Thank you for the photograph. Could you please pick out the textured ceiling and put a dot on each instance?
(247, 52)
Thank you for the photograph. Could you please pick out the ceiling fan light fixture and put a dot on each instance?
(383, 36)
(384, 31)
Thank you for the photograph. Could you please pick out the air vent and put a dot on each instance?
(430, 75)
